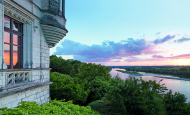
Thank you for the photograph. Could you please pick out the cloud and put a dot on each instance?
(107, 51)
(183, 56)
(132, 59)
(158, 58)
(168, 37)
(181, 40)
(158, 33)
(116, 61)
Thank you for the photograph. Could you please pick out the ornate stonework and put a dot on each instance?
(12, 11)
(42, 28)
(53, 6)
(50, 20)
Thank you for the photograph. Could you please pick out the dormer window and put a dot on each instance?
(61, 7)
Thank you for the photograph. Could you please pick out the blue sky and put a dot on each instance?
(127, 32)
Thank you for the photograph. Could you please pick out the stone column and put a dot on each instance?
(3, 65)
(63, 8)
(27, 45)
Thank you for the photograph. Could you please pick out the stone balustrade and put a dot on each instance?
(16, 77)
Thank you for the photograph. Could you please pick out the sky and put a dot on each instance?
(127, 32)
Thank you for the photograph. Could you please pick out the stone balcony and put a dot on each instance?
(53, 22)
(53, 30)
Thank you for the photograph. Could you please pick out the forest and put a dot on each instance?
(88, 89)
(180, 71)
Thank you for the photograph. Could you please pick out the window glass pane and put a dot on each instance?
(16, 57)
(7, 22)
(16, 26)
(16, 39)
(7, 54)
(60, 6)
(7, 37)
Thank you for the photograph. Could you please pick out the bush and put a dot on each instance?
(90, 71)
(175, 104)
(88, 85)
(64, 87)
(54, 107)
(134, 96)
(104, 107)
(98, 87)
(58, 64)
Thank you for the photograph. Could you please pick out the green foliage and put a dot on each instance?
(64, 87)
(183, 69)
(91, 84)
(104, 107)
(135, 96)
(182, 72)
(91, 71)
(98, 87)
(175, 104)
(87, 85)
(53, 108)
(58, 64)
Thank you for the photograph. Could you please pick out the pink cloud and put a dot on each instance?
(158, 58)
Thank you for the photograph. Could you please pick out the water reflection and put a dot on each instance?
(174, 84)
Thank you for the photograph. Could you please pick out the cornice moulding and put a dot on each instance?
(15, 11)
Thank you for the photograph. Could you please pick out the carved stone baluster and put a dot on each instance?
(13, 78)
(22, 77)
(10, 79)
(27, 77)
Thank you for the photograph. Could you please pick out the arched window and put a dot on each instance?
(12, 43)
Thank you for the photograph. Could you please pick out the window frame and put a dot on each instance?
(13, 32)
(62, 13)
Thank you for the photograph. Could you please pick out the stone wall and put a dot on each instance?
(40, 95)
(1, 33)
(38, 37)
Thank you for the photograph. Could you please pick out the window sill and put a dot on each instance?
(10, 70)
(21, 88)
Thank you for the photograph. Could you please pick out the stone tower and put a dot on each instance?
(28, 29)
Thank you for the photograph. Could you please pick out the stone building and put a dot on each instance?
(28, 29)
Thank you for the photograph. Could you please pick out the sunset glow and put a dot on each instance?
(127, 32)
(182, 61)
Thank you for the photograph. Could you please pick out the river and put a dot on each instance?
(171, 82)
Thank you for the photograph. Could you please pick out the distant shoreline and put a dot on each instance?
(130, 73)
(138, 74)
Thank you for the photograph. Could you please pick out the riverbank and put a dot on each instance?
(174, 83)
(180, 72)
(132, 74)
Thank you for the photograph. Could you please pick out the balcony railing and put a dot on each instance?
(17, 77)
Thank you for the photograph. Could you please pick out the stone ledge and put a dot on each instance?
(7, 88)
(34, 85)
(10, 70)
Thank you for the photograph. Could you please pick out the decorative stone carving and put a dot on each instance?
(31, 64)
(53, 30)
(27, 64)
(17, 77)
(50, 20)
(53, 6)
(4, 66)
(16, 13)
